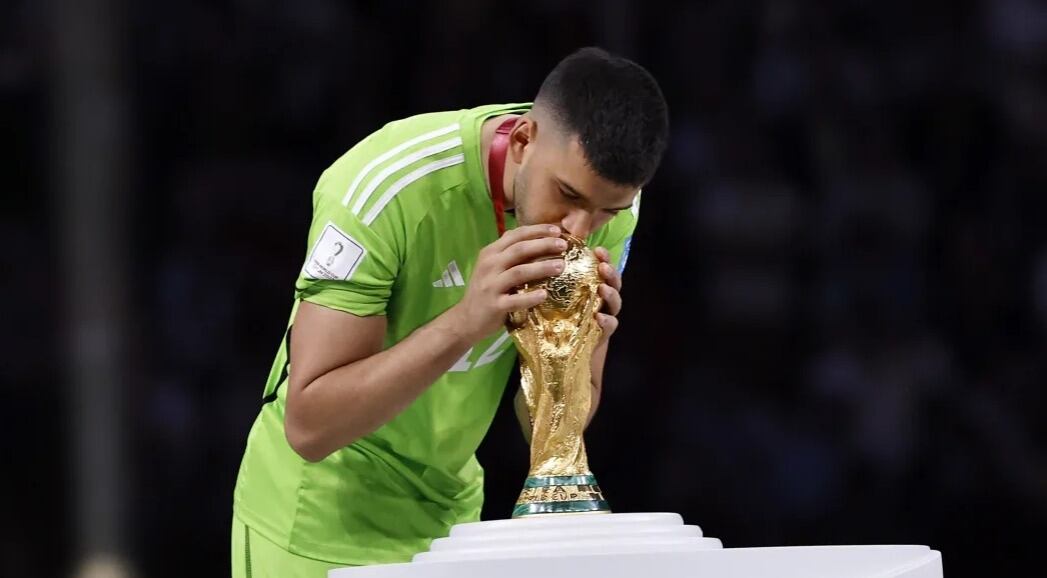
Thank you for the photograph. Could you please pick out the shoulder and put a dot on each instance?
(405, 163)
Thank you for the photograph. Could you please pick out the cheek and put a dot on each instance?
(541, 201)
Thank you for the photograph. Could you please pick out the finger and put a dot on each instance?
(608, 323)
(611, 276)
(603, 254)
(612, 299)
(523, 233)
(528, 272)
(529, 250)
(521, 301)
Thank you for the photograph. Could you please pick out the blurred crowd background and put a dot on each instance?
(835, 308)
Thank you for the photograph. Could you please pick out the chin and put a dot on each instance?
(522, 220)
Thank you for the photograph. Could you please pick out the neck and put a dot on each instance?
(487, 131)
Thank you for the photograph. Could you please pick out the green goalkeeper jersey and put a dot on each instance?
(398, 222)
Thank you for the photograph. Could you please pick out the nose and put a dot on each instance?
(578, 223)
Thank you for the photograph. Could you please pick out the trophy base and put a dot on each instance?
(561, 495)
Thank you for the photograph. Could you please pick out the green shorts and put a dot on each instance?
(256, 557)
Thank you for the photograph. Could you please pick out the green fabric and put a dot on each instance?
(403, 244)
(254, 556)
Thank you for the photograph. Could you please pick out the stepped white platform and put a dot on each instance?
(655, 545)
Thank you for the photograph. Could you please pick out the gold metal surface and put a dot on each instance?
(556, 341)
(558, 494)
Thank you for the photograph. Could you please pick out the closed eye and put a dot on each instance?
(569, 195)
(576, 198)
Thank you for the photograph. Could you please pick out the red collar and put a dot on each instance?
(496, 170)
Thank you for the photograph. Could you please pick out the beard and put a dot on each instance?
(519, 198)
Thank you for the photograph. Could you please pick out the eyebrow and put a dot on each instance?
(575, 191)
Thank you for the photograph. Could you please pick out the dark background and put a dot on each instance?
(835, 307)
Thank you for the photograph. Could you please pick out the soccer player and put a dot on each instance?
(396, 356)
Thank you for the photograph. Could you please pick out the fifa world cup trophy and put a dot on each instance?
(556, 341)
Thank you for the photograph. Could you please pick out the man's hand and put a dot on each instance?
(343, 385)
(607, 317)
(502, 266)
(609, 291)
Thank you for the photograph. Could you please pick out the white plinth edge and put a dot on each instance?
(656, 545)
(568, 535)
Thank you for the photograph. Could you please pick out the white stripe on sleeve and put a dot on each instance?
(399, 165)
(390, 154)
(407, 180)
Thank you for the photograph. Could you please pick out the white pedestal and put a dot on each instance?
(637, 546)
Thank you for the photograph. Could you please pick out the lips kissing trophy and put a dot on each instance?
(556, 341)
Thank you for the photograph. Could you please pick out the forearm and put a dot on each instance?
(353, 400)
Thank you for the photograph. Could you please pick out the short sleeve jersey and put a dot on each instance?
(398, 222)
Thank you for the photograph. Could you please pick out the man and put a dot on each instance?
(395, 356)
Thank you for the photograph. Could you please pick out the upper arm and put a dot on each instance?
(346, 280)
(324, 339)
(366, 207)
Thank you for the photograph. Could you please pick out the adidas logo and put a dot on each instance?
(451, 277)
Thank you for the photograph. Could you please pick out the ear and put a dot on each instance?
(522, 136)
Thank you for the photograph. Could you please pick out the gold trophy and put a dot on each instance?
(556, 340)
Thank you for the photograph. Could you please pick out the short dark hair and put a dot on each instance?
(615, 108)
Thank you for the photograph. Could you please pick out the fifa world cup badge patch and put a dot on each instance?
(335, 255)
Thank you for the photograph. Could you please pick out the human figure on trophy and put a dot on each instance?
(556, 340)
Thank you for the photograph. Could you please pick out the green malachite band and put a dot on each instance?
(577, 506)
(543, 481)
